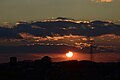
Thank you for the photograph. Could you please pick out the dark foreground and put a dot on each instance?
(44, 69)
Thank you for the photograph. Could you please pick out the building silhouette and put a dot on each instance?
(13, 60)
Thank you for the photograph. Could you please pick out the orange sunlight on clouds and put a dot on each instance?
(104, 1)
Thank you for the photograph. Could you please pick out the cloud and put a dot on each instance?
(103, 1)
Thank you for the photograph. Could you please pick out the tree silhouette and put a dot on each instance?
(46, 59)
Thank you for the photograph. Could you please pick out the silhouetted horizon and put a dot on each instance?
(45, 69)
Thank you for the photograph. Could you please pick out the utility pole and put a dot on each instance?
(92, 47)
(91, 52)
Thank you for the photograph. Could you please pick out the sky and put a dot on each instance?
(14, 10)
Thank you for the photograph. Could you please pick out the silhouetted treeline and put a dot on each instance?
(45, 69)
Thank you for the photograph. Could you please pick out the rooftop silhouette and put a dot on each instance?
(45, 69)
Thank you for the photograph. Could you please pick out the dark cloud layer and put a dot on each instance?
(43, 29)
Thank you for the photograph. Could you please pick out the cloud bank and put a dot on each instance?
(103, 1)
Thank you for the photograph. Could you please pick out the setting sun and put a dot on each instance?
(69, 54)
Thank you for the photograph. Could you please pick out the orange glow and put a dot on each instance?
(106, 1)
(69, 54)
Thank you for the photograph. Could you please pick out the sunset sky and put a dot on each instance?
(14, 10)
